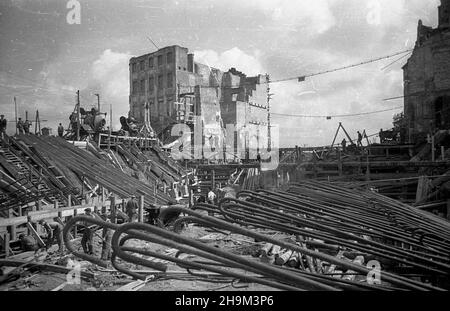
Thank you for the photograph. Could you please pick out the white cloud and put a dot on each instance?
(248, 64)
(110, 77)
(314, 15)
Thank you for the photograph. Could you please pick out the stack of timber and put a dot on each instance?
(69, 167)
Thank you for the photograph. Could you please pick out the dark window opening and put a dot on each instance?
(169, 57)
(160, 82)
(160, 60)
(142, 86)
(135, 87)
(151, 62)
(169, 80)
(442, 113)
(151, 84)
(142, 65)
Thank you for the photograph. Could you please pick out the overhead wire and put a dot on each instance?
(335, 116)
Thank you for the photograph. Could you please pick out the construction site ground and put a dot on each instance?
(174, 279)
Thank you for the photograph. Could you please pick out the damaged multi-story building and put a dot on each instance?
(427, 79)
(169, 87)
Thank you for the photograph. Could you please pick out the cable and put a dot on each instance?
(335, 116)
(301, 78)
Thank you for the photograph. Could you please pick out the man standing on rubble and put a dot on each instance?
(60, 130)
(344, 145)
(88, 234)
(211, 196)
(3, 124)
(54, 231)
(20, 126)
(360, 138)
(26, 126)
(131, 209)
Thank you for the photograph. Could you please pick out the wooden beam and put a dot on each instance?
(44, 214)
(141, 208)
(43, 266)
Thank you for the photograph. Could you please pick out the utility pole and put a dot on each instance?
(98, 102)
(37, 124)
(269, 131)
(78, 115)
(15, 110)
(110, 127)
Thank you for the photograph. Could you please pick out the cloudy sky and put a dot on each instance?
(44, 59)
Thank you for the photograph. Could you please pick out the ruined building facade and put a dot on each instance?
(427, 79)
(169, 87)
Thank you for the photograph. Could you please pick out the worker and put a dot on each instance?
(381, 136)
(131, 209)
(86, 240)
(360, 137)
(60, 130)
(211, 196)
(26, 126)
(20, 126)
(54, 231)
(28, 243)
(3, 124)
(107, 238)
(344, 145)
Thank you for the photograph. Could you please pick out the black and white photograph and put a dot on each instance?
(224, 152)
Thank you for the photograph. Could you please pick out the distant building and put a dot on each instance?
(427, 79)
(168, 87)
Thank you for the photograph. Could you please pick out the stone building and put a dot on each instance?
(427, 79)
(169, 87)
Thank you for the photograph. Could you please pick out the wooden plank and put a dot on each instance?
(44, 214)
(43, 266)
(141, 209)
(132, 286)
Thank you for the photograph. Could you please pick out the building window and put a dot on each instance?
(160, 82)
(142, 65)
(133, 67)
(168, 108)
(142, 86)
(135, 87)
(160, 60)
(151, 62)
(169, 57)
(169, 80)
(151, 84)
(160, 105)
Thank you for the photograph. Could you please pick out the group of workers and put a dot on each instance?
(23, 127)
(54, 232)
(359, 142)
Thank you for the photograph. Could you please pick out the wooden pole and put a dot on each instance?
(110, 127)
(15, 111)
(141, 208)
(433, 151)
(113, 210)
(448, 209)
(443, 153)
(6, 244)
(78, 115)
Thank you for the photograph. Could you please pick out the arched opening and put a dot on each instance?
(442, 113)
